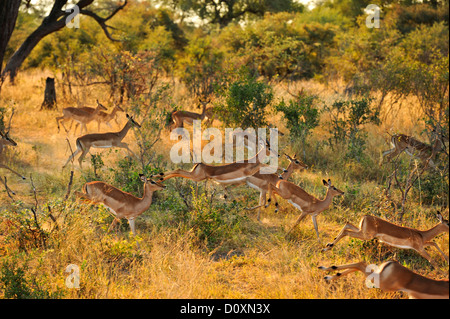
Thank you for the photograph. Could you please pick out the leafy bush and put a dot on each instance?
(15, 283)
(301, 115)
(347, 119)
(245, 103)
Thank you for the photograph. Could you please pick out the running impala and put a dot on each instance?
(398, 236)
(121, 204)
(307, 204)
(102, 140)
(391, 276)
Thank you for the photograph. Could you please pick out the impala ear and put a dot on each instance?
(143, 178)
(439, 216)
(329, 182)
(324, 182)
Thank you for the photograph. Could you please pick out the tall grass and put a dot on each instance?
(193, 243)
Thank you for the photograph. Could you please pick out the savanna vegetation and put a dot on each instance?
(335, 88)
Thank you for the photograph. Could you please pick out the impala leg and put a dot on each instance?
(125, 146)
(80, 159)
(262, 202)
(348, 269)
(314, 219)
(299, 219)
(72, 156)
(425, 255)
(194, 175)
(113, 224)
(8, 168)
(61, 119)
(390, 154)
(347, 230)
(272, 190)
(131, 222)
(433, 244)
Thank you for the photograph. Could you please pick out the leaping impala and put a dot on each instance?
(391, 276)
(261, 181)
(398, 236)
(120, 203)
(180, 118)
(306, 203)
(79, 116)
(5, 140)
(225, 174)
(413, 147)
(102, 140)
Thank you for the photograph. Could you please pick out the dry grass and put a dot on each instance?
(170, 262)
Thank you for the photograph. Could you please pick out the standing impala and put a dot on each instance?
(261, 181)
(391, 276)
(5, 140)
(306, 203)
(413, 147)
(102, 140)
(180, 118)
(120, 203)
(79, 116)
(371, 227)
(103, 116)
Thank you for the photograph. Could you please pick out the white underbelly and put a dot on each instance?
(229, 181)
(295, 205)
(111, 210)
(392, 241)
(253, 186)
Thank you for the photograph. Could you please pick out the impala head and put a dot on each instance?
(130, 119)
(153, 186)
(203, 103)
(118, 108)
(443, 221)
(101, 106)
(6, 139)
(333, 190)
(298, 164)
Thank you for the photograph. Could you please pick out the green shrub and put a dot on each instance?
(245, 103)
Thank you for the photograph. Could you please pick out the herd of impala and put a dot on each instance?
(391, 275)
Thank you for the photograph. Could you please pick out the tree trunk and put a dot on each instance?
(28, 45)
(49, 95)
(56, 20)
(9, 10)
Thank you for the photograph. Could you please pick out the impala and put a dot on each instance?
(413, 147)
(5, 140)
(261, 181)
(79, 116)
(103, 116)
(391, 276)
(120, 203)
(180, 118)
(306, 203)
(107, 117)
(398, 236)
(102, 140)
(232, 173)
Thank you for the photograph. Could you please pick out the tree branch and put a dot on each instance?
(102, 21)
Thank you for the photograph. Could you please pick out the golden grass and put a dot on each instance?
(170, 264)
